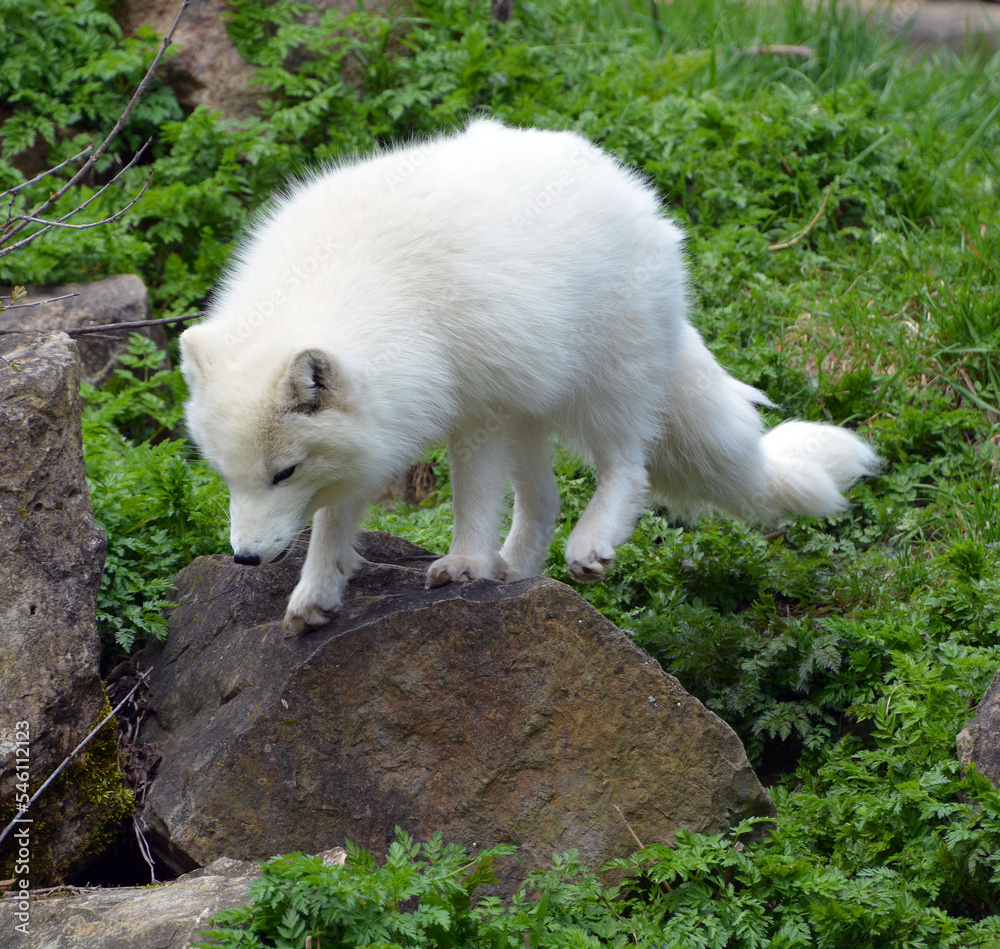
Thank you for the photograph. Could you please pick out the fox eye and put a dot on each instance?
(282, 475)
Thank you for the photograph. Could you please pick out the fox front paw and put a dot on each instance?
(310, 607)
(456, 568)
(589, 566)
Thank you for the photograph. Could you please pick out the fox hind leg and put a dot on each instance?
(476, 455)
(536, 500)
(611, 515)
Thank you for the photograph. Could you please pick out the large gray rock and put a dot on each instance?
(156, 917)
(979, 741)
(122, 298)
(497, 713)
(51, 558)
(204, 67)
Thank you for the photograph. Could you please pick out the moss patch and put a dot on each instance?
(79, 815)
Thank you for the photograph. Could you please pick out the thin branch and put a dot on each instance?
(629, 827)
(803, 51)
(972, 243)
(137, 324)
(791, 243)
(64, 889)
(144, 849)
(4, 251)
(123, 118)
(20, 818)
(106, 327)
(131, 164)
(45, 174)
(106, 220)
(113, 134)
(25, 306)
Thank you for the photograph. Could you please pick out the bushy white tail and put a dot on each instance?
(714, 453)
(808, 466)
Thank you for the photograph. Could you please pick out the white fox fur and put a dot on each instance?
(487, 289)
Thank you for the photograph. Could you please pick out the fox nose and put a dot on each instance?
(247, 560)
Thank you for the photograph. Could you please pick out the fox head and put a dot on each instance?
(282, 430)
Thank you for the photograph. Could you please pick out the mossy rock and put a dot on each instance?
(78, 817)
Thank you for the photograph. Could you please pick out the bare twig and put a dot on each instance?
(25, 306)
(802, 51)
(629, 826)
(105, 327)
(63, 889)
(138, 324)
(106, 220)
(888, 701)
(791, 243)
(112, 135)
(28, 218)
(854, 283)
(83, 744)
(147, 854)
(46, 173)
(972, 243)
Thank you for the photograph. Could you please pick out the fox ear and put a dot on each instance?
(192, 356)
(312, 382)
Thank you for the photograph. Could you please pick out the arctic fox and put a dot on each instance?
(486, 289)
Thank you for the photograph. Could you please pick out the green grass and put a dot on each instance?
(846, 653)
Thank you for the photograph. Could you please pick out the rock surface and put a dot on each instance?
(122, 298)
(51, 558)
(158, 917)
(204, 67)
(960, 25)
(497, 713)
(979, 741)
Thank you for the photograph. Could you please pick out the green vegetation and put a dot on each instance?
(704, 893)
(160, 508)
(846, 653)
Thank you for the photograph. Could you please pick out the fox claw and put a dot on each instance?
(310, 608)
(457, 568)
(590, 567)
(298, 623)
